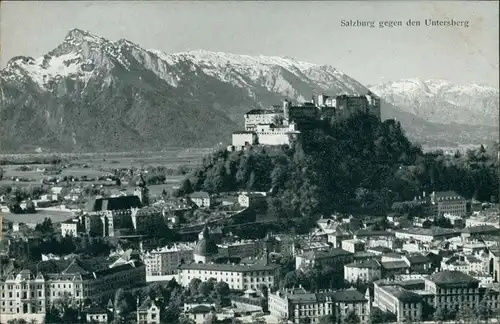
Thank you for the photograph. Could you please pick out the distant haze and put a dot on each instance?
(307, 31)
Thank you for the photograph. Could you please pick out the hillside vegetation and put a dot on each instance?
(360, 165)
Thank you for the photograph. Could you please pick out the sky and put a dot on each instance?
(307, 31)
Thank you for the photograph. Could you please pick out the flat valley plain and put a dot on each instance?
(94, 165)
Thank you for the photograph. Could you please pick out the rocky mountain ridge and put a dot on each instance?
(92, 94)
(439, 101)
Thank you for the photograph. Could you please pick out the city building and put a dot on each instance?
(114, 212)
(339, 235)
(468, 264)
(453, 290)
(479, 232)
(28, 293)
(237, 276)
(96, 315)
(71, 227)
(239, 249)
(162, 263)
(483, 220)
(200, 313)
(365, 271)
(375, 238)
(296, 305)
(335, 258)
(148, 312)
(201, 199)
(404, 304)
(247, 199)
(426, 235)
(448, 202)
(353, 245)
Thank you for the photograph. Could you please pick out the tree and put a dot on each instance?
(327, 319)
(46, 227)
(483, 311)
(120, 304)
(222, 288)
(194, 285)
(439, 315)
(305, 320)
(377, 316)
(17, 321)
(352, 318)
(96, 226)
(52, 315)
(205, 288)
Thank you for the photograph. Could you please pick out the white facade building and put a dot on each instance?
(162, 263)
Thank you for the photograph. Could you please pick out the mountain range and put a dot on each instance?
(90, 94)
(439, 101)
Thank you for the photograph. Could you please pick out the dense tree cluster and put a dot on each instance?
(31, 159)
(358, 165)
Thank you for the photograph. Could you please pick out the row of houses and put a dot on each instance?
(410, 300)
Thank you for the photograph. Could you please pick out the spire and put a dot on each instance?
(205, 232)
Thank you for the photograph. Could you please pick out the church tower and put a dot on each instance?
(206, 249)
(142, 191)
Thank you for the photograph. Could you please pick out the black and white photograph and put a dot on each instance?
(249, 162)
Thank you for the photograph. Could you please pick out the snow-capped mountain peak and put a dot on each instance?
(443, 101)
(77, 35)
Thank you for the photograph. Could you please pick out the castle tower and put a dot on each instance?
(286, 110)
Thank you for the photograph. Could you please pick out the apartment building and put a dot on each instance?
(353, 245)
(453, 289)
(405, 304)
(448, 202)
(426, 235)
(483, 219)
(366, 271)
(114, 212)
(335, 258)
(30, 291)
(375, 238)
(201, 199)
(446, 290)
(297, 305)
(240, 249)
(237, 276)
(163, 262)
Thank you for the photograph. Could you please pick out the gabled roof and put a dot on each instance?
(75, 267)
(451, 277)
(147, 304)
(200, 194)
(369, 264)
(394, 265)
(481, 229)
(447, 195)
(366, 233)
(96, 311)
(418, 259)
(402, 294)
(200, 309)
(115, 203)
(349, 295)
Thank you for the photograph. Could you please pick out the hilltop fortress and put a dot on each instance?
(281, 125)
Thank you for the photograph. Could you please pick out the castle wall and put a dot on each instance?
(252, 120)
(241, 139)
